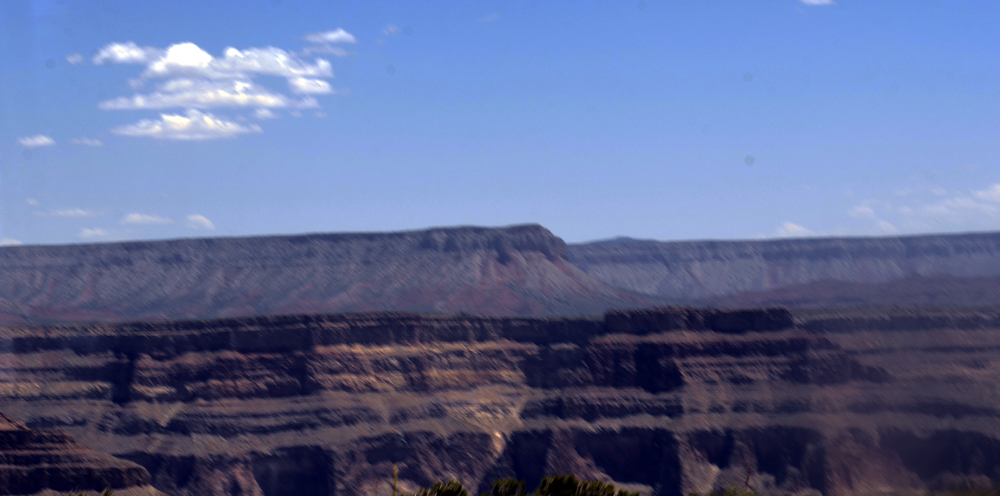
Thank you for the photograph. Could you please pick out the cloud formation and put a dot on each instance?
(75, 59)
(137, 218)
(36, 141)
(201, 94)
(70, 213)
(788, 229)
(86, 142)
(817, 2)
(309, 86)
(335, 36)
(263, 113)
(197, 221)
(194, 80)
(10, 242)
(193, 125)
(96, 232)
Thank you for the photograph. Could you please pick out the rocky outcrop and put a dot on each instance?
(815, 271)
(518, 270)
(36, 461)
(665, 401)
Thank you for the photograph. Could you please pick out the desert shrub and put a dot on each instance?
(569, 485)
(450, 488)
(728, 491)
(507, 487)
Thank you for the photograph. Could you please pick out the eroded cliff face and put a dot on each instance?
(665, 401)
(519, 270)
(815, 270)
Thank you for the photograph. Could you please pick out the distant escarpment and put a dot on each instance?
(955, 269)
(517, 270)
(665, 401)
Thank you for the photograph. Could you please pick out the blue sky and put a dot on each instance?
(651, 119)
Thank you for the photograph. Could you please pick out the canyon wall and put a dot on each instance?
(664, 401)
(810, 269)
(519, 270)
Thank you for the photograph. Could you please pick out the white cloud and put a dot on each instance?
(189, 60)
(196, 221)
(336, 51)
(263, 113)
(194, 125)
(70, 212)
(96, 232)
(10, 242)
(789, 229)
(885, 226)
(137, 218)
(335, 36)
(31, 201)
(390, 30)
(991, 194)
(309, 86)
(86, 142)
(196, 93)
(36, 141)
(74, 59)
(126, 53)
(862, 211)
(817, 2)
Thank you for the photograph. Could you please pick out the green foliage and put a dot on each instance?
(450, 488)
(569, 485)
(507, 487)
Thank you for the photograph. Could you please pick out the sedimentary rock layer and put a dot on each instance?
(664, 401)
(814, 270)
(518, 270)
(36, 461)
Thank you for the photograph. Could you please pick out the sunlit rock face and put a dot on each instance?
(519, 270)
(951, 270)
(666, 401)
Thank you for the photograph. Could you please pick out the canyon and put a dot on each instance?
(519, 270)
(665, 401)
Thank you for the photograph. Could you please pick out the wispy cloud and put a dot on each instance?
(94, 232)
(197, 221)
(789, 229)
(10, 242)
(137, 218)
(338, 35)
(193, 125)
(391, 30)
(817, 2)
(202, 94)
(923, 209)
(86, 142)
(70, 213)
(309, 86)
(263, 114)
(75, 59)
(36, 141)
(31, 202)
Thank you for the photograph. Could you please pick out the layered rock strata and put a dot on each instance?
(519, 270)
(38, 461)
(664, 401)
(817, 271)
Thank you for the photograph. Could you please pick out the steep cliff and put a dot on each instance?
(814, 270)
(665, 401)
(39, 461)
(518, 270)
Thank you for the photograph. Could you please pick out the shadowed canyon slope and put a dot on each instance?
(518, 270)
(665, 401)
(804, 272)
